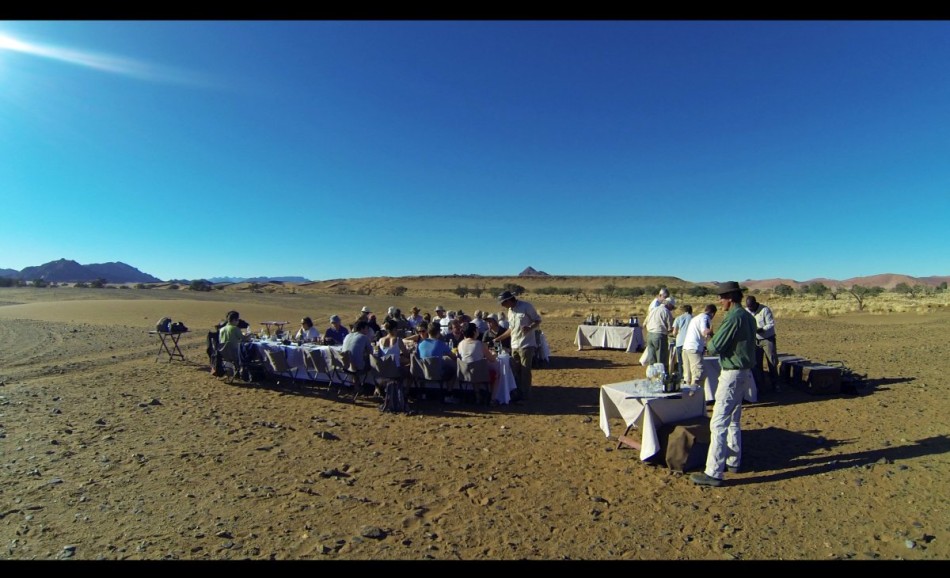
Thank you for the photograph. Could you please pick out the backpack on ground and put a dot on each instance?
(394, 400)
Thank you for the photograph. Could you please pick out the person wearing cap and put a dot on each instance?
(664, 293)
(523, 321)
(734, 343)
(335, 332)
(659, 325)
(415, 319)
(764, 343)
(439, 313)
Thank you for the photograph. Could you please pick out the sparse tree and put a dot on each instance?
(461, 291)
(398, 291)
(40, 282)
(98, 283)
(860, 293)
(200, 285)
(903, 288)
(783, 290)
(818, 289)
(514, 288)
(477, 290)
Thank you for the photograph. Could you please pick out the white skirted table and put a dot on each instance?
(712, 369)
(639, 405)
(629, 339)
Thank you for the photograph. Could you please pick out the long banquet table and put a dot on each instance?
(610, 337)
(295, 359)
(637, 403)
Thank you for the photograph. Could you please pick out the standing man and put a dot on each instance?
(523, 320)
(663, 294)
(694, 345)
(659, 326)
(679, 332)
(735, 345)
(764, 343)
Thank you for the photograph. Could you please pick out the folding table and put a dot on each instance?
(169, 337)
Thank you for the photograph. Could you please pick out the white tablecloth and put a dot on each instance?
(506, 380)
(608, 337)
(712, 369)
(295, 358)
(632, 402)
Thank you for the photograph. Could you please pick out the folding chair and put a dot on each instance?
(316, 364)
(476, 375)
(432, 371)
(279, 367)
(230, 363)
(347, 374)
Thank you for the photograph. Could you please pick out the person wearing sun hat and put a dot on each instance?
(335, 332)
(523, 321)
(734, 343)
(415, 319)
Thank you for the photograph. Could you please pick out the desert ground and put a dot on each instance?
(108, 454)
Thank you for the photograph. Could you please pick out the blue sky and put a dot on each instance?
(705, 150)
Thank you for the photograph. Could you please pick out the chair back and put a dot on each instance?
(385, 367)
(432, 368)
(474, 372)
(415, 368)
(277, 360)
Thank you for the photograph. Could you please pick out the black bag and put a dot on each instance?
(164, 325)
(395, 398)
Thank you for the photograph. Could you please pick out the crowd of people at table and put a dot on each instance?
(450, 335)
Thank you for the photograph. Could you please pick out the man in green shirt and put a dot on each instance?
(734, 343)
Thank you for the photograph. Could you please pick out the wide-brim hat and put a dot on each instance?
(439, 308)
(505, 295)
(415, 309)
(365, 309)
(727, 287)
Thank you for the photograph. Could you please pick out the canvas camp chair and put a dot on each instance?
(476, 376)
(315, 363)
(431, 371)
(279, 367)
(230, 363)
(347, 374)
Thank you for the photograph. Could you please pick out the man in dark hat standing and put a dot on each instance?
(523, 320)
(734, 343)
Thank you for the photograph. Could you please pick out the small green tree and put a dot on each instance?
(82, 285)
(514, 288)
(818, 289)
(860, 293)
(477, 290)
(398, 291)
(201, 285)
(461, 291)
(98, 283)
(903, 289)
(783, 290)
(40, 283)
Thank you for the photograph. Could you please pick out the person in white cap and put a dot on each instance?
(663, 294)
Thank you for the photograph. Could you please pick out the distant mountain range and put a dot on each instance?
(68, 271)
(259, 279)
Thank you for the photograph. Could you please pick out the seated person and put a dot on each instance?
(392, 344)
(358, 345)
(434, 346)
(470, 350)
(307, 332)
(230, 339)
(335, 332)
(494, 330)
(455, 335)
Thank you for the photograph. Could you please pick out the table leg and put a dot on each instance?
(177, 352)
(163, 347)
(625, 440)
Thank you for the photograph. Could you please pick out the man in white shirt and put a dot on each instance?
(764, 343)
(659, 326)
(523, 320)
(694, 346)
(663, 294)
